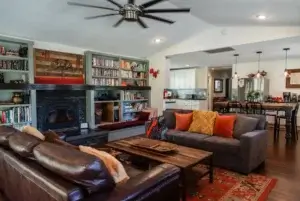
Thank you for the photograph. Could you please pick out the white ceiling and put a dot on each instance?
(55, 21)
(244, 12)
(272, 50)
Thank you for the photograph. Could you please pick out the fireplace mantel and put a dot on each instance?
(51, 87)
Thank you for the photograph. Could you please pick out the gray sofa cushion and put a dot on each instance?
(262, 120)
(244, 124)
(169, 119)
(194, 140)
(221, 144)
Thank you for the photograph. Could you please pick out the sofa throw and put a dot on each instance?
(203, 122)
(157, 128)
(114, 166)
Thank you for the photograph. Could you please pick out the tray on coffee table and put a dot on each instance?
(154, 146)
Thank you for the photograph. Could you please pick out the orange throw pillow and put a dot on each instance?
(224, 125)
(183, 121)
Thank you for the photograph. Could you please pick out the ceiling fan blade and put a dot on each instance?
(99, 16)
(131, 1)
(115, 3)
(171, 10)
(158, 18)
(151, 3)
(119, 22)
(90, 6)
(142, 23)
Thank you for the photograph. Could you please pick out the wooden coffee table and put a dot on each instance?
(185, 158)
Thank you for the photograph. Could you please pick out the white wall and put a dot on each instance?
(209, 39)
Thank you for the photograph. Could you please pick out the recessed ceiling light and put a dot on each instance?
(261, 17)
(187, 65)
(157, 40)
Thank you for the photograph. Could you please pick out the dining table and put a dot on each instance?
(287, 108)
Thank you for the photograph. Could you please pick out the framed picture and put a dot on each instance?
(293, 81)
(218, 85)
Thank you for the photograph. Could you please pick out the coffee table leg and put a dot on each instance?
(211, 170)
(183, 185)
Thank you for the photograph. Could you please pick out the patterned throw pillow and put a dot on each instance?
(203, 122)
(157, 128)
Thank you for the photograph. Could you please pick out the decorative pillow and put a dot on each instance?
(224, 125)
(143, 116)
(203, 122)
(156, 129)
(33, 131)
(114, 166)
(5, 133)
(75, 166)
(183, 121)
(23, 144)
(244, 124)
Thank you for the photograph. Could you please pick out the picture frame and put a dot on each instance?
(293, 80)
(218, 85)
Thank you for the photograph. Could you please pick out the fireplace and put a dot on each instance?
(60, 110)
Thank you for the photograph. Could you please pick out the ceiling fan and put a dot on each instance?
(134, 13)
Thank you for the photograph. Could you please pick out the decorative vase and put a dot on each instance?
(17, 98)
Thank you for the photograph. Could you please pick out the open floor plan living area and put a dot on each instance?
(149, 100)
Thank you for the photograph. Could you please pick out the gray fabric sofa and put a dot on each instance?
(240, 155)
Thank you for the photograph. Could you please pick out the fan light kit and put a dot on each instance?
(258, 64)
(261, 17)
(286, 72)
(235, 76)
(131, 12)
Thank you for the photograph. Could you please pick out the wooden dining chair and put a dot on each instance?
(254, 108)
(234, 107)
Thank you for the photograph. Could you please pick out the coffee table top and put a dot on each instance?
(185, 157)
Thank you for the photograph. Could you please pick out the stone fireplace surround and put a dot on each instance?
(60, 110)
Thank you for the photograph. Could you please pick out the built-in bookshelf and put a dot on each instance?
(112, 106)
(16, 66)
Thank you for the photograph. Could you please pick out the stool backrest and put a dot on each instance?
(254, 108)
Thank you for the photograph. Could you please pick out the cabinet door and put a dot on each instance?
(176, 80)
(190, 78)
(172, 80)
(180, 77)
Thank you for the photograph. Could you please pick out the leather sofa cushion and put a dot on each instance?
(27, 180)
(23, 144)
(5, 133)
(75, 166)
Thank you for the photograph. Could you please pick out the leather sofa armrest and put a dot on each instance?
(146, 186)
(254, 147)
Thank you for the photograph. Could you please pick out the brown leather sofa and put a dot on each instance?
(33, 170)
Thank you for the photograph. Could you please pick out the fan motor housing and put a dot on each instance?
(130, 12)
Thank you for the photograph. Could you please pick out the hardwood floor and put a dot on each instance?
(283, 163)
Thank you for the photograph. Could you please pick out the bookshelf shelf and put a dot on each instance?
(16, 68)
(14, 105)
(113, 74)
(11, 57)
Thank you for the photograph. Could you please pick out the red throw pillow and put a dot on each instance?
(224, 125)
(183, 121)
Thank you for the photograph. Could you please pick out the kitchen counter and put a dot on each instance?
(186, 99)
(189, 104)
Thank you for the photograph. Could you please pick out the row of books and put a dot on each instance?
(15, 115)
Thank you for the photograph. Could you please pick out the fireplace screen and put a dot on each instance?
(61, 115)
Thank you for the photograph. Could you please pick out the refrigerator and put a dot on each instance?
(247, 85)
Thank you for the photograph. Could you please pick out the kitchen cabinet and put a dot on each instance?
(188, 78)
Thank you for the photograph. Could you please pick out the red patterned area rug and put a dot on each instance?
(231, 186)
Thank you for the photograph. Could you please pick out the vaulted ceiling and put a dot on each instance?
(55, 21)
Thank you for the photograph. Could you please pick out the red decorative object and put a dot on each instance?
(153, 72)
(232, 186)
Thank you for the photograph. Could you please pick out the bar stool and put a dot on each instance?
(275, 115)
(294, 129)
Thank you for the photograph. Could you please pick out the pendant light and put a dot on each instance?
(235, 75)
(286, 72)
(258, 64)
